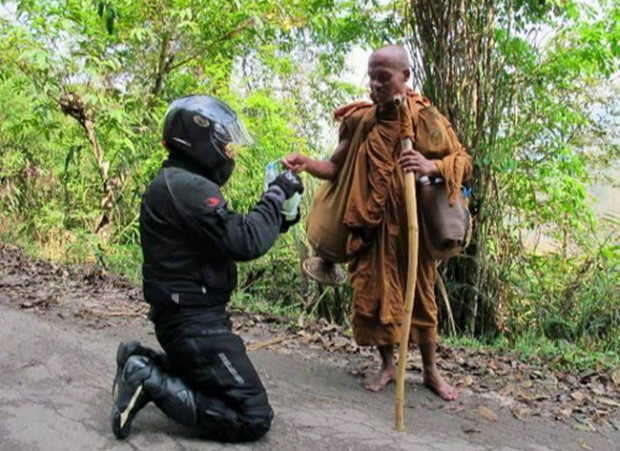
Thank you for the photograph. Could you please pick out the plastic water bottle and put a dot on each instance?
(270, 174)
(290, 206)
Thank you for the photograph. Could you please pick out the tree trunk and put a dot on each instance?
(108, 197)
(456, 66)
(72, 105)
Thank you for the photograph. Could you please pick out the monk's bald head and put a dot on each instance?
(388, 73)
(394, 56)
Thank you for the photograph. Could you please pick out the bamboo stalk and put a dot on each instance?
(412, 270)
(444, 294)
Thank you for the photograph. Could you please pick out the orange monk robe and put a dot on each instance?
(376, 215)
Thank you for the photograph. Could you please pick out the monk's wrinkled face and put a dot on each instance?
(388, 78)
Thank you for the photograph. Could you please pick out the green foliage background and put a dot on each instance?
(84, 85)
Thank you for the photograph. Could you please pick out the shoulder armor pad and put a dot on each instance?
(193, 193)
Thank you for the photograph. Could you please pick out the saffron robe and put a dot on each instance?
(375, 215)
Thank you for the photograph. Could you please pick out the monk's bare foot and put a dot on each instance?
(379, 381)
(434, 381)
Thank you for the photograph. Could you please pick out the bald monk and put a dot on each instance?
(376, 217)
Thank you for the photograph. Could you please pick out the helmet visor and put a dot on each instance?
(230, 137)
(232, 132)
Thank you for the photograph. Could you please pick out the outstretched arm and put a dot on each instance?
(322, 169)
(240, 237)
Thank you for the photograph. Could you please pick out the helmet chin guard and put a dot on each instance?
(205, 130)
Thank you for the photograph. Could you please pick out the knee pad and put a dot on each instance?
(172, 396)
(246, 430)
(223, 424)
(254, 428)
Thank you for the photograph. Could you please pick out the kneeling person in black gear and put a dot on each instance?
(190, 242)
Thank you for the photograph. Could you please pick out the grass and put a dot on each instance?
(532, 348)
(242, 301)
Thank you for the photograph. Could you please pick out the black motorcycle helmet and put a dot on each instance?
(203, 130)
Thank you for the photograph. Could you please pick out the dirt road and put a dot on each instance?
(57, 364)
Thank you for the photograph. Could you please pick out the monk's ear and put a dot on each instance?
(407, 73)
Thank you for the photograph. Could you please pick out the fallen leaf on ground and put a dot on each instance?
(583, 423)
(487, 413)
(521, 412)
(506, 402)
(578, 396)
(564, 414)
(584, 427)
(453, 408)
(467, 381)
(608, 402)
(45, 303)
(615, 376)
(530, 398)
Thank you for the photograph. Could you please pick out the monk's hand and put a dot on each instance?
(296, 162)
(414, 161)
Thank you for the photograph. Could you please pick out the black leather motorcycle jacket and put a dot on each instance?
(191, 240)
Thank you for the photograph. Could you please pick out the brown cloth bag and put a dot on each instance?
(446, 222)
(326, 231)
(325, 228)
(445, 225)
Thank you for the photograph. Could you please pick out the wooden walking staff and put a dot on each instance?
(406, 134)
